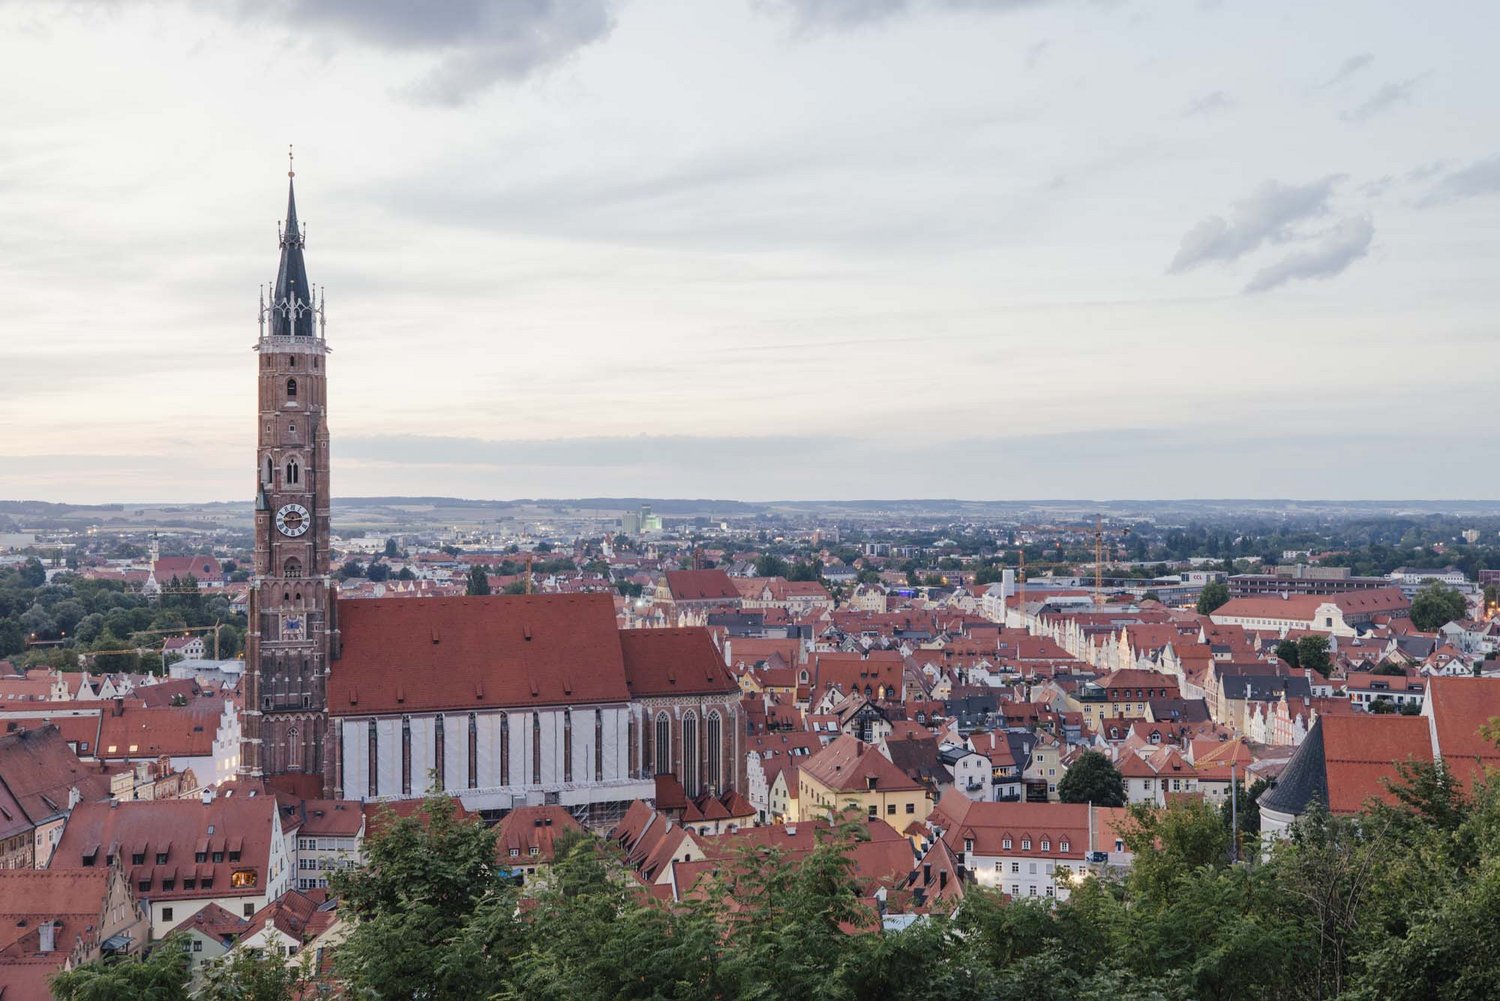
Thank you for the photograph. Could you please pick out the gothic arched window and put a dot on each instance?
(715, 750)
(292, 567)
(663, 762)
(293, 472)
(291, 389)
(690, 754)
(293, 750)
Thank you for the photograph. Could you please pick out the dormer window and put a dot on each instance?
(1006, 844)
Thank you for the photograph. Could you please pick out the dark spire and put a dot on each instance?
(292, 300)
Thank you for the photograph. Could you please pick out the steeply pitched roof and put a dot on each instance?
(532, 827)
(664, 662)
(402, 655)
(848, 764)
(41, 771)
(1345, 760)
(1459, 707)
(292, 289)
(238, 830)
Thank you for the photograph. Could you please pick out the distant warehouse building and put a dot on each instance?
(1350, 614)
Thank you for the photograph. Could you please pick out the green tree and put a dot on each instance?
(1312, 653)
(1214, 595)
(1168, 844)
(770, 565)
(803, 571)
(424, 879)
(161, 976)
(254, 975)
(391, 551)
(479, 580)
(1287, 651)
(1093, 778)
(1436, 606)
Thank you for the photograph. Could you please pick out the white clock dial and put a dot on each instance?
(292, 520)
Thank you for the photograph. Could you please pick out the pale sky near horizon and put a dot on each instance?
(760, 249)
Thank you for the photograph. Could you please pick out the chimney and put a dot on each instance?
(48, 935)
(119, 709)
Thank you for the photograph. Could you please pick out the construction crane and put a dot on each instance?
(1021, 592)
(1098, 560)
(179, 631)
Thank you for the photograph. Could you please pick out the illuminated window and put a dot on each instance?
(242, 878)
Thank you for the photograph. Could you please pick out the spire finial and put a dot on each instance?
(290, 162)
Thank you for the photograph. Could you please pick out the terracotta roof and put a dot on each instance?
(988, 825)
(1459, 707)
(214, 922)
(181, 567)
(848, 764)
(531, 832)
(668, 662)
(73, 901)
(701, 585)
(292, 914)
(41, 771)
(458, 653)
(237, 830)
(1302, 607)
(329, 818)
(184, 731)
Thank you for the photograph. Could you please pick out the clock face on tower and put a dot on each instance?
(292, 520)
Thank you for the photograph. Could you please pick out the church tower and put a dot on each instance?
(292, 628)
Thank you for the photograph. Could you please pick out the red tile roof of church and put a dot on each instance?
(474, 652)
(666, 662)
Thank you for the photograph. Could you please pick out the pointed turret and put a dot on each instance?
(292, 301)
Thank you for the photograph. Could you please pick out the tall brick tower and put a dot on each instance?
(293, 631)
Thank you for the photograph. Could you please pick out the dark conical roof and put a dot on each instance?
(1304, 779)
(291, 302)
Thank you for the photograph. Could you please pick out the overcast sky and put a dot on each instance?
(761, 248)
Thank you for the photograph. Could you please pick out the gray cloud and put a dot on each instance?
(1384, 99)
(1349, 67)
(475, 43)
(1329, 255)
(1479, 178)
(1209, 104)
(1266, 215)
